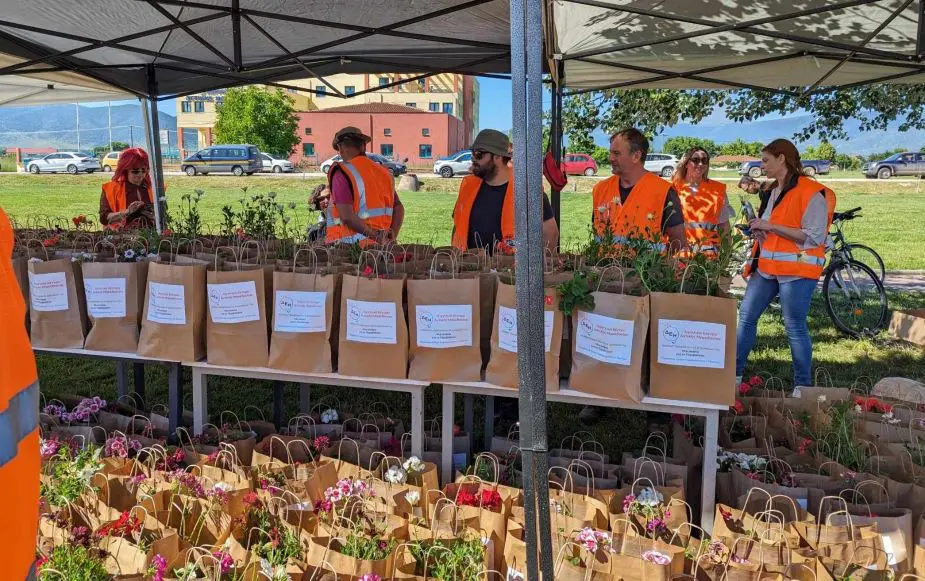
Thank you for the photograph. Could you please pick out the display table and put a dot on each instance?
(122, 359)
(565, 395)
(201, 370)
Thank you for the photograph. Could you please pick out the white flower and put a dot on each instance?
(35, 259)
(413, 497)
(272, 573)
(413, 465)
(221, 487)
(396, 475)
(187, 572)
(329, 416)
(650, 496)
(821, 398)
(857, 409)
(129, 254)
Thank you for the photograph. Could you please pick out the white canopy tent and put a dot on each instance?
(52, 87)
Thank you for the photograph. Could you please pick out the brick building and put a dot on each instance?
(397, 131)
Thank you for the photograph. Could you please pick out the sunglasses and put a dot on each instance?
(479, 154)
(138, 170)
(699, 161)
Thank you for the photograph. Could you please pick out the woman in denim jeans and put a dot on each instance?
(790, 230)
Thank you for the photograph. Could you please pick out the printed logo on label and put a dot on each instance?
(285, 304)
(507, 322)
(427, 319)
(671, 334)
(585, 327)
(354, 315)
(214, 297)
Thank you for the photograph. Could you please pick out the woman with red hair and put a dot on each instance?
(128, 199)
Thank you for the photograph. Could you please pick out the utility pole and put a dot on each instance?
(131, 133)
(77, 105)
(109, 103)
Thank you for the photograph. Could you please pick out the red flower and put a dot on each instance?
(491, 500)
(368, 271)
(738, 407)
(727, 515)
(125, 527)
(744, 388)
(804, 445)
(466, 498)
(756, 381)
(167, 232)
(251, 499)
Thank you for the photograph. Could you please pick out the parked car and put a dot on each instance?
(459, 162)
(578, 164)
(811, 167)
(276, 164)
(661, 163)
(237, 159)
(110, 161)
(396, 167)
(72, 162)
(899, 164)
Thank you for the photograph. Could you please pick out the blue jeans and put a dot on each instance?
(795, 297)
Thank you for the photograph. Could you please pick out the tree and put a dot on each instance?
(824, 150)
(848, 162)
(679, 145)
(884, 154)
(741, 147)
(601, 155)
(263, 118)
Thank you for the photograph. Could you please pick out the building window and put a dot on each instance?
(448, 108)
(424, 151)
(199, 107)
(387, 132)
(434, 107)
(425, 132)
(308, 131)
(383, 81)
(412, 105)
(308, 149)
(186, 106)
(385, 149)
(349, 90)
(321, 91)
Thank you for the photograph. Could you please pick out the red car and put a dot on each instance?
(578, 164)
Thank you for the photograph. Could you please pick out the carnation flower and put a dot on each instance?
(413, 465)
(656, 557)
(396, 475)
(592, 540)
(413, 497)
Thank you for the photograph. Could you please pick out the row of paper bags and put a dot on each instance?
(429, 329)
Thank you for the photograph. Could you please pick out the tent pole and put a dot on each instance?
(153, 141)
(555, 136)
(526, 87)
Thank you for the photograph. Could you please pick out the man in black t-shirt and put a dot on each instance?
(484, 212)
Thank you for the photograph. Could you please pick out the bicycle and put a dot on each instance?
(854, 251)
(853, 293)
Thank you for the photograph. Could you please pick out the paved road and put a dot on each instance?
(908, 281)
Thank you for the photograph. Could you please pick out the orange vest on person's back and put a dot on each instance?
(462, 212)
(20, 460)
(115, 193)
(640, 217)
(373, 200)
(782, 257)
(702, 211)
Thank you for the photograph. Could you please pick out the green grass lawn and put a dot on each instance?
(890, 224)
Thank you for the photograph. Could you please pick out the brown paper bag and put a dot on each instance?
(608, 346)
(692, 348)
(444, 329)
(236, 326)
(173, 325)
(502, 368)
(488, 289)
(305, 318)
(57, 310)
(373, 331)
(21, 273)
(115, 293)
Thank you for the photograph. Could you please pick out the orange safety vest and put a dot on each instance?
(116, 196)
(373, 200)
(640, 217)
(20, 460)
(782, 257)
(702, 211)
(462, 212)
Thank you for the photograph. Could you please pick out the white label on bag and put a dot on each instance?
(371, 322)
(48, 291)
(166, 303)
(105, 297)
(507, 328)
(233, 302)
(691, 343)
(300, 312)
(604, 338)
(444, 326)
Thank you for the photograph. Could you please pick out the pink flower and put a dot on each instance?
(158, 568)
(656, 557)
(225, 562)
(370, 577)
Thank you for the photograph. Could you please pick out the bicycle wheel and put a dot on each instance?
(866, 255)
(854, 298)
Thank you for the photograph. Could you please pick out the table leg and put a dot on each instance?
(449, 397)
(278, 404)
(710, 448)
(121, 378)
(200, 400)
(174, 396)
(138, 377)
(489, 421)
(305, 397)
(468, 420)
(417, 422)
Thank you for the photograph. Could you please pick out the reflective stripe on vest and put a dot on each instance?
(363, 212)
(701, 225)
(369, 214)
(792, 257)
(349, 239)
(18, 420)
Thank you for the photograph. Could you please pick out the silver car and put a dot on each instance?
(459, 162)
(276, 164)
(72, 162)
(661, 163)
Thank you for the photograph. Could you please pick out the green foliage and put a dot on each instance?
(188, 222)
(741, 147)
(601, 155)
(679, 145)
(848, 162)
(8, 163)
(260, 117)
(71, 475)
(885, 154)
(579, 120)
(576, 293)
(452, 560)
(76, 563)
(824, 150)
(101, 150)
(366, 548)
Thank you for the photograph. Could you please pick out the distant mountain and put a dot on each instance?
(54, 126)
